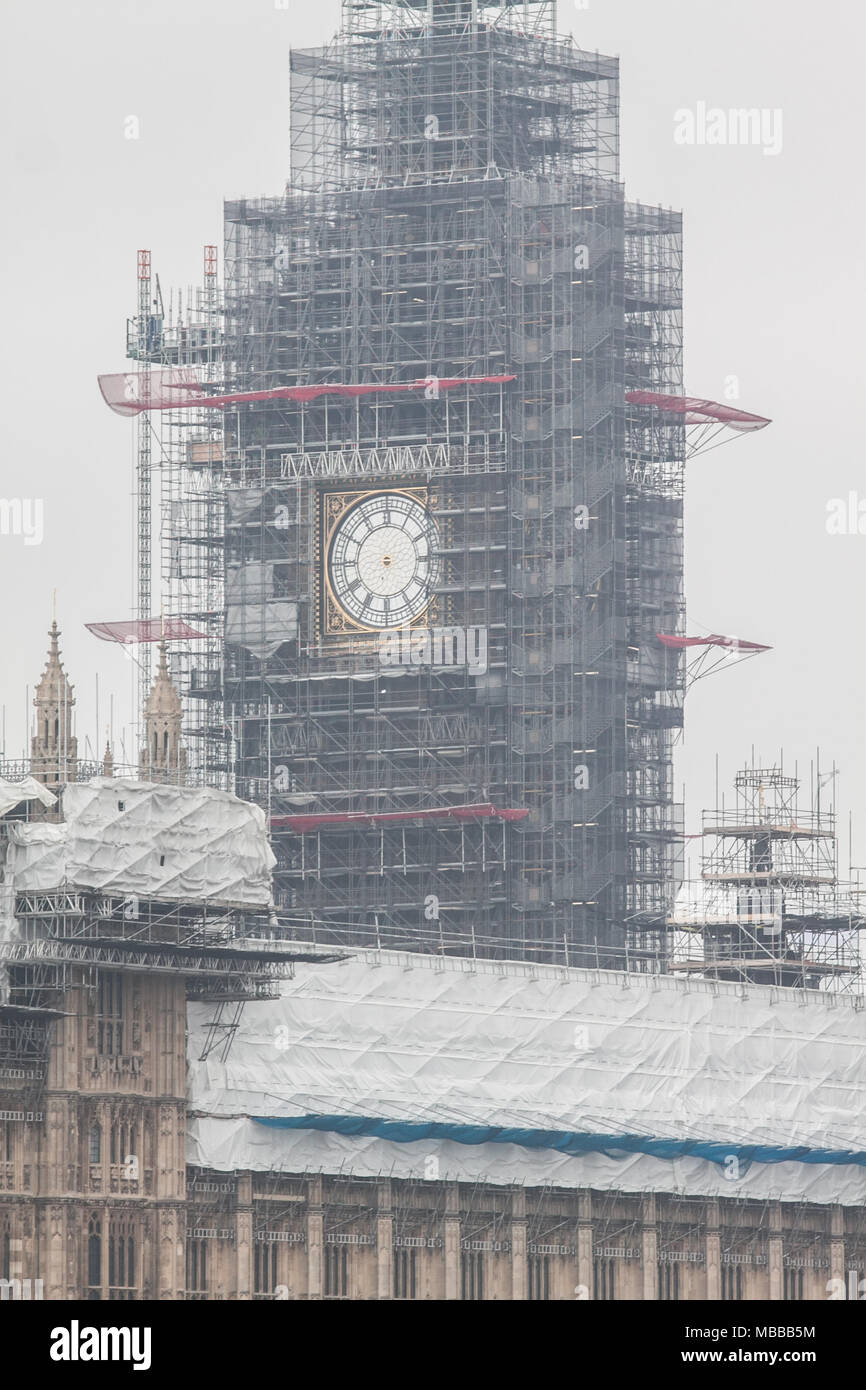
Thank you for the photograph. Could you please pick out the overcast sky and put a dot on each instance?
(774, 297)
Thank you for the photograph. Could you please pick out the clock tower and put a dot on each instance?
(435, 331)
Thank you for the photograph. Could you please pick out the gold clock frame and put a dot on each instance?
(332, 621)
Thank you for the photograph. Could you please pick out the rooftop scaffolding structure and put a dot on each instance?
(414, 94)
(377, 19)
(772, 908)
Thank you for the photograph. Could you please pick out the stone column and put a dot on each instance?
(837, 1247)
(55, 1252)
(774, 1242)
(713, 1252)
(146, 1240)
(585, 1260)
(650, 1249)
(59, 1151)
(244, 1238)
(168, 1127)
(171, 1247)
(385, 1241)
(452, 1241)
(315, 1238)
(519, 1289)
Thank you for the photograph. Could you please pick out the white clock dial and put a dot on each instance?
(382, 560)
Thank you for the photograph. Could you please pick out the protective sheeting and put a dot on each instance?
(651, 1083)
(261, 629)
(28, 789)
(255, 619)
(149, 840)
(36, 856)
(9, 932)
(8, 924)
(243, 503)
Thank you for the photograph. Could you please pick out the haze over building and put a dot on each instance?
(420, 465)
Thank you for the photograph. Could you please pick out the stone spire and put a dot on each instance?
(53, 747)
(163, 757)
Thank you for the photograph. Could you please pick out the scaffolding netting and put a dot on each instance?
(385, 1057)
(145, 630)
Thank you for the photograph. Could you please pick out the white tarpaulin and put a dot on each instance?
(255, 617)
(462, 1044)
(36, 855)
(9, 933)
(150, 840)
(28, 789)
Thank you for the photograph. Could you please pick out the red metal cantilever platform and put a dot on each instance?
(130, 393)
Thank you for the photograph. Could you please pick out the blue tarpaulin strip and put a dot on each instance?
(563, 1141)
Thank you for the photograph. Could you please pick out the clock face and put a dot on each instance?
(382, 561)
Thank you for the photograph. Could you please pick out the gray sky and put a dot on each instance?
(774, 297)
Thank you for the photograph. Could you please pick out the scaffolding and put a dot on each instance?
(453, 215)
(414, 94)
(184, 448)
(772, 906)
(144, 328)
(65, 939)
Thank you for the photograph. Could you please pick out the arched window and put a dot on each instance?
(473, 1274)
(109, 1013)
(336, 1271)
(121, 1260)
(95, 1143)
(196, 1267)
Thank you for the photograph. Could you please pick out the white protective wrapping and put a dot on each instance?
(148, 840)
(28, 789)
(10, 933)
(255, 617)
(413, 1038)
(36, 855)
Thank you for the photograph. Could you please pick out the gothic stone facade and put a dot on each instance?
(97, 1202)
(92, 1166)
